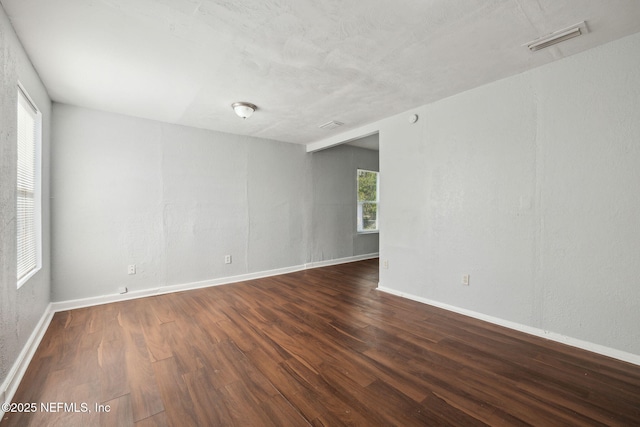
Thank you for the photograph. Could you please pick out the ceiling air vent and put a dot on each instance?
(557, 37)
(331, 125)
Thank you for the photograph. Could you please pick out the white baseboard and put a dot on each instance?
(553, 336)
(326, 263)
(160, 290)
(105, 299)
(11, 383)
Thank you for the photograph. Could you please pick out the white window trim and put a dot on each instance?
(377, 202)
(37, 196)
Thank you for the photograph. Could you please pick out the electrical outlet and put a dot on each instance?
(123, 290)
(227, 259)
(385, 264)
(131, 269)
(465, 279)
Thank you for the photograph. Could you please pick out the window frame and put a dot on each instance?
(29, 107)
(359, 203)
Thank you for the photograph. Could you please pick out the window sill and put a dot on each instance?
(368, 232)
(26, 278)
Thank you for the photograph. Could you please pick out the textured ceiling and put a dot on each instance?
(303, 62)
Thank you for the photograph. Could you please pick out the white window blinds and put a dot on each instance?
(27, 188)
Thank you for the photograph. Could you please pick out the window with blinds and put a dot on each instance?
(28, 188)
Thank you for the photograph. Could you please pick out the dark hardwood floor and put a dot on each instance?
(318, 347)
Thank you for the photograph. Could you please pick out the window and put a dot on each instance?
(28, 188)
(368, 197)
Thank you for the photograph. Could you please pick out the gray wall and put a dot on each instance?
(175, 200)
(20, 309)
(334, 206)
(172, 200)
(530, 185)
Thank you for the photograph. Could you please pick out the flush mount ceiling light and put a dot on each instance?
(557, 37)
(244, 109)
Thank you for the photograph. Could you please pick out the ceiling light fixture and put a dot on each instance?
(557, 37)
(244, 109)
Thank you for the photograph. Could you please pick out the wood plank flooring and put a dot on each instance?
(320, 347)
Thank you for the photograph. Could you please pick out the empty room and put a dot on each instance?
(319, 213)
